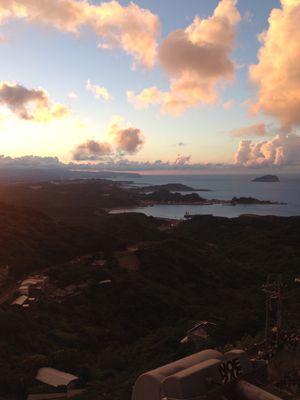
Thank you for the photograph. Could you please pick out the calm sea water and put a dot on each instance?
(224, 187)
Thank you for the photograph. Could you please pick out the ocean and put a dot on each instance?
(224, 187)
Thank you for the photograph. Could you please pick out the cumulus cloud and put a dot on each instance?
(276, 75)
(130, 27)
(123, 164)
(282, 149)
(72, 96)
(100, 92)
(30, 104)
(250, 131)
(104, 162)
(148, 96)
(182, 160)
(3, 39)
(123, 141)
(228, 105)
(92, 150)
(128, 140)
(196, 60)
(29, 161)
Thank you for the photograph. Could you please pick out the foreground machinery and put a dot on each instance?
(207, 375)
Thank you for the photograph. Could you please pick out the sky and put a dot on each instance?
(151, 85)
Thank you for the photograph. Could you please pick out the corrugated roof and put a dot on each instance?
(19, 300)
(55, 396)
(47, 396)
(54, 377)
(29, 282)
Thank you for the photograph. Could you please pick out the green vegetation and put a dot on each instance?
(179, 187)
(250, 200)
(79, 202)
(164, 196)
(31, 240)
(205, 268)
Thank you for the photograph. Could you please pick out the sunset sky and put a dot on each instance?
(151, 84)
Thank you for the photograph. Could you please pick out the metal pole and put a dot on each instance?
(279, 306)
(247, 391)
(267, 328)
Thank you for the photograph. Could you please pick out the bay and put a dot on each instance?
(224, 187)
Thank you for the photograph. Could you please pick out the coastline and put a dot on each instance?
(152, 203)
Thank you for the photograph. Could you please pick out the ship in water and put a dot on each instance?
(187, 215)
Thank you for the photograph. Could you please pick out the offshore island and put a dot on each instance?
(266, 178)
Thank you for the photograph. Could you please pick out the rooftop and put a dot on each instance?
(54, 377)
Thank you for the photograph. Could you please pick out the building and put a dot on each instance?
(99, 263)
(200, 331)
(105, 282)
(33, 285)
(47, 396)
(55, 378)
(55, 396)
(19, 301)
(24, 289)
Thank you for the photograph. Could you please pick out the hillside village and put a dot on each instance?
(125, 294)
(39, 286)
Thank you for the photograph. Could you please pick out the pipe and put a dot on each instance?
(247, 391)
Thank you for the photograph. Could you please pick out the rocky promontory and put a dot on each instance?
(251, 200)
(178, 187)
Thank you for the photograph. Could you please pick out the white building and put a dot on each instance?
(54, 377)
(19, 301)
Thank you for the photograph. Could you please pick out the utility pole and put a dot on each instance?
(279, 303)
(274, 310)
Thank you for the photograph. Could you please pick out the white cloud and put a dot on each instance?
(100, 92)
(182, 160)
(148, 96)
(123, 141)
(30, 104)
(131, 28)
(196, 60)
(72, 95)
(282, 149)
(228, 105)
(3, 39)
(91, 150)
(29, 161)
(128, 140)
(276, 75)
(250, 131)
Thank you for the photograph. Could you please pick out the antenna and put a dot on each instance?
(274, 308)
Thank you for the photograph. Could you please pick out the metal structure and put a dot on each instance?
(211, 375)
(247, 391)
(274, 308)
(207, 375)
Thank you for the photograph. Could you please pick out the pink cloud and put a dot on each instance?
(131, 28)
